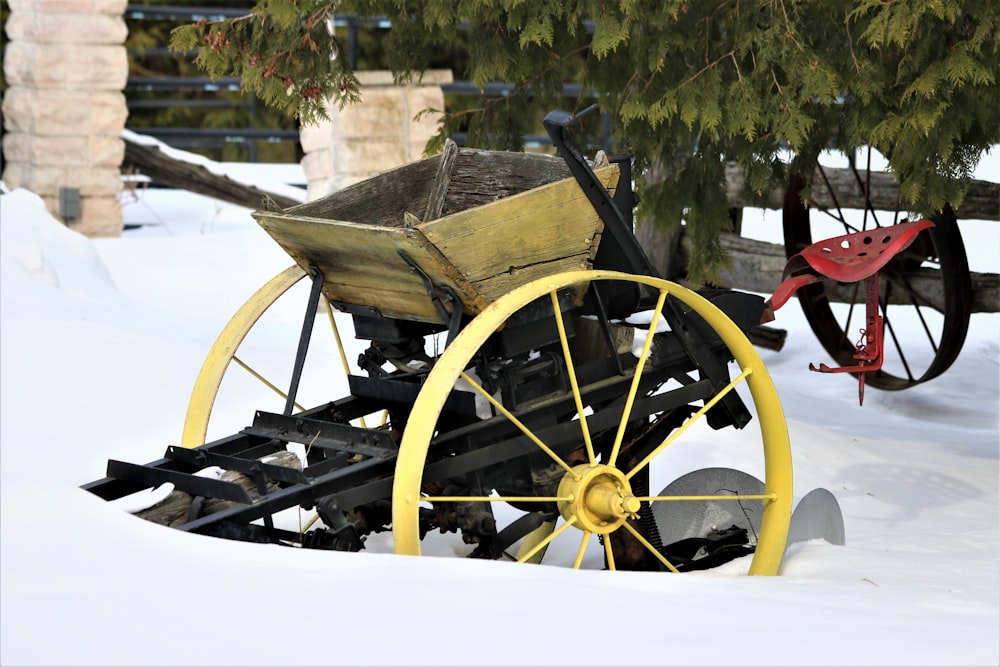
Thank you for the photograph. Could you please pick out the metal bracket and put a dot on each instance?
(869, 347)
(452, 320)
(307, 327)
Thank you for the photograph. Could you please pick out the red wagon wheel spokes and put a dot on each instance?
(925, 291)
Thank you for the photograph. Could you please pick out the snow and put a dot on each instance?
(101, 341)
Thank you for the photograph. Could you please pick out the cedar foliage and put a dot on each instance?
(690, 85)
(196, 107)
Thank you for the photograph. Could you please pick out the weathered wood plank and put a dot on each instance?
(982, 201)
(534, 228)
(757, 267)
(381, 201)
(482, 177)
(363, 265)
(496, 286)
(435, 201)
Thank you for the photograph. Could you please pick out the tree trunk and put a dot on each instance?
(152, 162)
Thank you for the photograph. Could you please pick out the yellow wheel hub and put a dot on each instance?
(599, 498)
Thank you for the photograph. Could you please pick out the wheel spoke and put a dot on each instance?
(582, 550)
(923, 320)
(527, 553)
(856, 288)
(497, 499)
(571, 371)
(887, 326)
(548, 539)
(263, 380)
(689, 421)
(747, 496)
(609, 553)
(649, 547)
(518, 423)
(899, 349)
(848, 228)
(836, 204)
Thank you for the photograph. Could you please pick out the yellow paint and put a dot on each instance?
(599, 497)
(480, 253)
(206, 386)
(452, 364)
(532, 540)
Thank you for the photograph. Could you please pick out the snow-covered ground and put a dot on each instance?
(101, 341)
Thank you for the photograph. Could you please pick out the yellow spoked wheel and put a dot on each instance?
(588, 493)
(226, 354)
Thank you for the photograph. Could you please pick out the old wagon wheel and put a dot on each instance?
(926, 288)
(226, 350)
(598, 482)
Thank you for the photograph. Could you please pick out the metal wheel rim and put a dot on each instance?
(829, 327)
(406, 494)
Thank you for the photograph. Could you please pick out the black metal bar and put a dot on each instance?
(336, 480)
(404, 394)
(121, 485)
(232, 83)
(602, 318)
(193, 484)
(193, 104)
(502, 89)
(168, 13)
(452, 319)
(307, 327)
(690, 330)
(247, 466)
(228, 134)
(319, 433)
(633, 259)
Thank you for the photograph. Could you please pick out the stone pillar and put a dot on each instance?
(377, 134)
(64, 110)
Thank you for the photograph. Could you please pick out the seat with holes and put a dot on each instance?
(847, 259)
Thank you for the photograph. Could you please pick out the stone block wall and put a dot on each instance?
(375, 135)
(64, 109)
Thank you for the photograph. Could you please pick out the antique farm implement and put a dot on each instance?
(529, 383)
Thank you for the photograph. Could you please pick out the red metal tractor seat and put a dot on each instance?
(848, 259)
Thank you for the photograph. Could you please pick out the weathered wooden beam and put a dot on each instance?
(157, 165)
(982, 201)
(757, 267)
